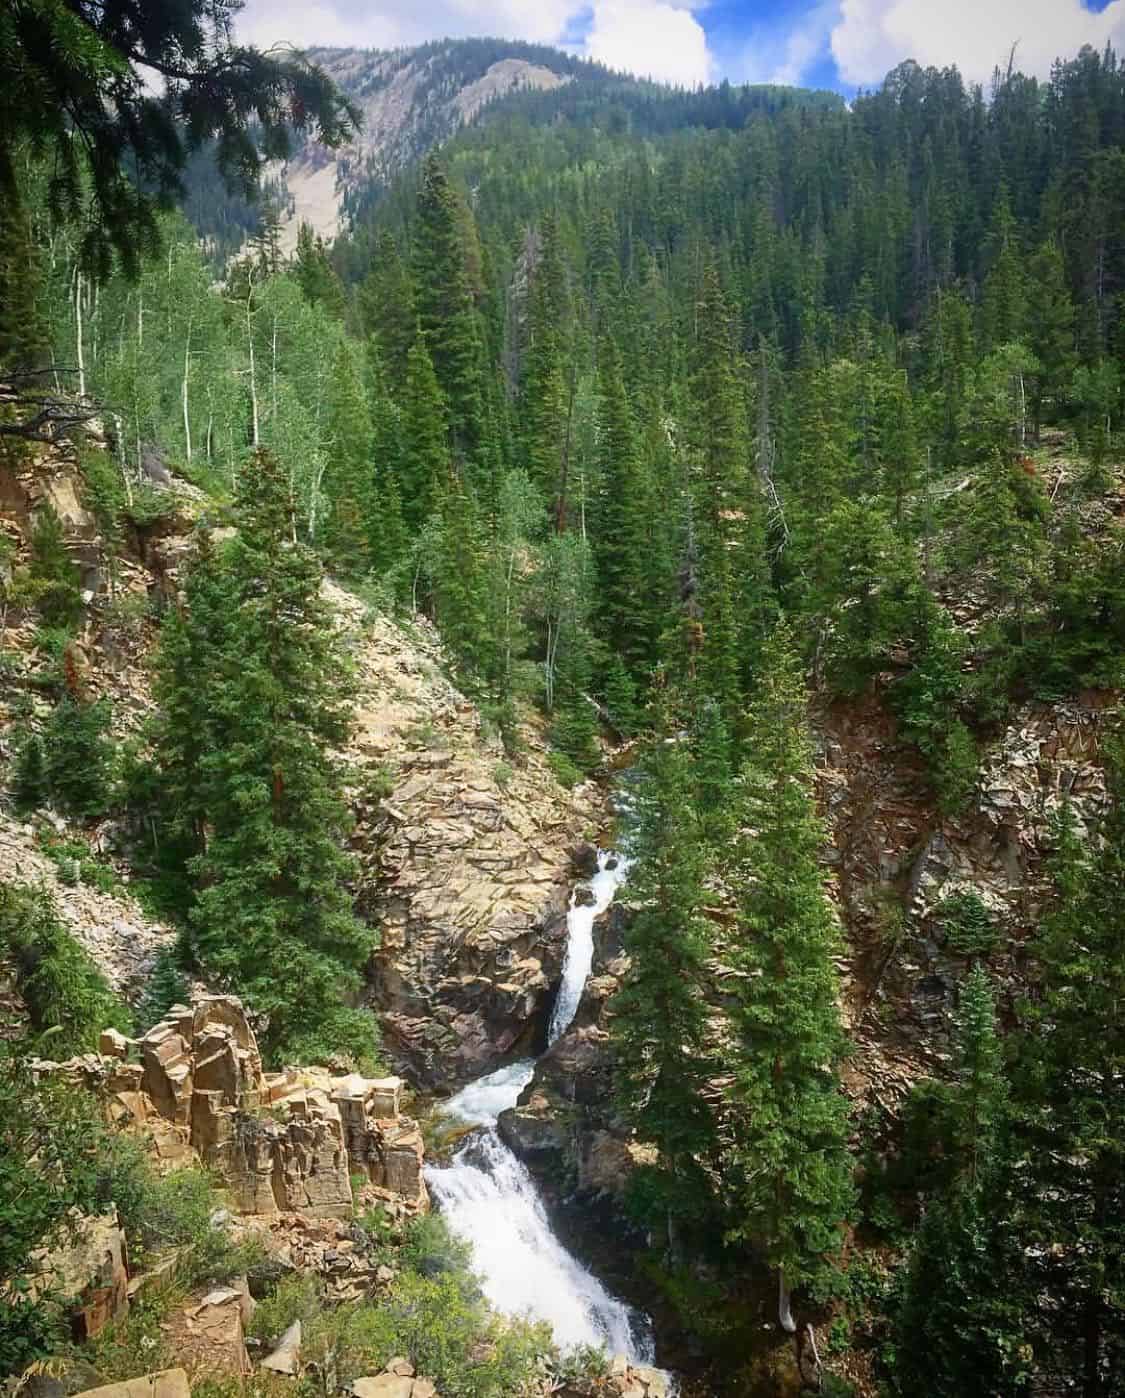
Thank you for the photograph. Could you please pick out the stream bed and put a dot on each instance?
(490, 1200)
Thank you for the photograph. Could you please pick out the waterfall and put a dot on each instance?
(489, 1198)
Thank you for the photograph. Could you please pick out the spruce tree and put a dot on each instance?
(349, 478)
(316, 275)
(425, 460)
(544, 393)
(787, 1164)
(386, 308)
(443, 300)
(268, 706)
(1050, 329)
(624, 516)
(663, 1050)
(1072, 1106)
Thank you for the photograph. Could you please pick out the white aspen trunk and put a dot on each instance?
(96, 322)
(121, 458)
(1023, 411)
(140, 318)
(78, 332)
(250, 342)
(184, 393)
(273, 369)
(314, 501)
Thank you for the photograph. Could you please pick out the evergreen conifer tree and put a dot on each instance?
(788, 1169)
(425, 460)
(268, 704)
(663, 1051)
(443, 300)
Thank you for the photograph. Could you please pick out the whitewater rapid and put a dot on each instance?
(489, 1198)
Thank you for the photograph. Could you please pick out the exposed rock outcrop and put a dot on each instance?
(283, 1142)
(466, 859)
(168, 1383)
(90, 1268)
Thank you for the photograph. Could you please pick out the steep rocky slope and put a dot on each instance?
(464, 853)
(409, 100)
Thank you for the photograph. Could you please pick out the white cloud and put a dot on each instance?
(651, 39)
(872, 36)
(776, 54)
(657, 38)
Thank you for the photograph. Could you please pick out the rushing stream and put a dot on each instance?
(488, 1197)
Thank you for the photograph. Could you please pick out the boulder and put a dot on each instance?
(286, 1357)
(530, 1132)
(584, 860)
(91, 1267)
(166, 1383)
(209, 1332)
(384, 1386)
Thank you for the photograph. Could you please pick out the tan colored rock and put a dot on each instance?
(166, 1383)
(383, 1386)
(286, 1357)
(113, 1044)
(91, 1270)
(208, 1333)
(655, 1381)
(400, 1366)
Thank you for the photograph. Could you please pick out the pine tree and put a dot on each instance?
(443, 301)
(268, 705)
(1069, 1095)
(1050, 328)
(663, 1051)
(729, 519)
(1005, 297)
(544, 396)
(625, 511)
(386, 308)
(460, 581)
(425, 453)
(787, 1165)
(24, 341)
(349, 478)
(316, 275)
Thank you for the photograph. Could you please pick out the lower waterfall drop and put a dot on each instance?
(489, 1198)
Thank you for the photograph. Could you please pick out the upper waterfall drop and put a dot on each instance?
(489, 1198)
(612, 869)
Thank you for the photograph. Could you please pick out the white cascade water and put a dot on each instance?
(489, 1198)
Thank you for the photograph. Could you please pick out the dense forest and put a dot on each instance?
(681, 415)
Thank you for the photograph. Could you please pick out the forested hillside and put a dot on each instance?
(768, 447)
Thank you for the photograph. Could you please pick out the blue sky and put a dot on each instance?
(843, 44)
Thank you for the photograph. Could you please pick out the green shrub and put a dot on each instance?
(79, 757)
(502, 775)
(430, 1248)
(68, 999)
(953, 764)
(445, 1329)
(166, 986)
(968, 928)
(54, 580)
(566, 772)
(75, 863)
(299, 1296)
(29, 778)
(342, 1035)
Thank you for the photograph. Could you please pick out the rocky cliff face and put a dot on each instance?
(410, 100)
(464, 852)
(466, 861)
